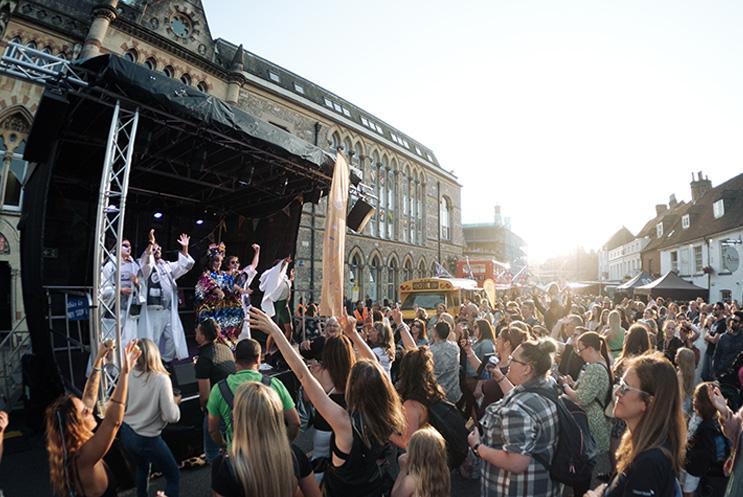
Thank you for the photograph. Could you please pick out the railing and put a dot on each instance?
(12, 348)
(68, 320)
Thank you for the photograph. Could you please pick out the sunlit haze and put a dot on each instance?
(577, 117)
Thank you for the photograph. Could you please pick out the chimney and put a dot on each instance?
(672, 202)
(699, 186)
(660, 209)
(498, 218)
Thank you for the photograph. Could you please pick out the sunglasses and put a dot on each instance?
(623, 388)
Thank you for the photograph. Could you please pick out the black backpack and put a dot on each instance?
(229, 396)
(576, 451)
(448, 421)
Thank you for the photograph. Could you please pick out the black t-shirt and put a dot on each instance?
(215, 362)
(319, 422)
(225, 483)
(650, 475)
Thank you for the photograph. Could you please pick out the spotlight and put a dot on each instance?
(158, 215)
(199, 222)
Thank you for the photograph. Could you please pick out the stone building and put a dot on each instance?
(418, 218)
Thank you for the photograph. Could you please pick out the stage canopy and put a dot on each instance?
(640, 279)
(671, 286)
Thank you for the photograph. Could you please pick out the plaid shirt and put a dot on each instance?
(521, 423)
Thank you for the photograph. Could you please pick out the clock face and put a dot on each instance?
(181, 25)
(730, 258)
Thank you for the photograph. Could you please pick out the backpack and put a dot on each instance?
(229, 396)
(576, 451)
(448, 421)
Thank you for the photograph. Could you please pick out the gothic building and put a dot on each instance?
(418, 218)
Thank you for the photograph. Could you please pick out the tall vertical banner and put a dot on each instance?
(334, 243)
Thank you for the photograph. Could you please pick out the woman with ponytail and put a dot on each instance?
(592, 392)
(76, 454)
(520, 429)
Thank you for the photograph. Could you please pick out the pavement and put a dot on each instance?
(24, 470)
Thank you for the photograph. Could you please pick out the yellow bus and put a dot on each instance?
(428, 293)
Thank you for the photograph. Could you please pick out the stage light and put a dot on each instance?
(199, 222)
(158, 215)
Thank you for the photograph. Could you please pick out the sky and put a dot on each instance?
(577, 117)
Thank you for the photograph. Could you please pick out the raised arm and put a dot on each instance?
(256, 256)
(407, 339)
(90, 392)
(348, 325)
(94, 449)
(336, 416)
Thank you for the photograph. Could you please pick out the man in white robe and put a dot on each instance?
(131, 295)
(159, 320)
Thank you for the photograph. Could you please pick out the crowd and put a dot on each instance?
(540, 394)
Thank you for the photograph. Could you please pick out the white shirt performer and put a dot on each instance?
(243, 279)
(131, 296)
(276, 287)
(160, 321)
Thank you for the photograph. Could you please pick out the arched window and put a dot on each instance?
(11, 51)
(420, 194)
(393, 280)
(348, 149)
(14, 170)
(186, 79)
(445, 218)
(375, 279)
(131, 55)
(422, 269)
(382, 214)
(355, 277)
(151, 64)
(202, 87)
(391, 201)
(168, 71)
(374, 183)
(408, 270)
(334, 142)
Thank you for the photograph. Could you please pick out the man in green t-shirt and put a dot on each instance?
(247, 361)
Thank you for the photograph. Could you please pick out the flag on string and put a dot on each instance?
(334, 242)
(440, 272)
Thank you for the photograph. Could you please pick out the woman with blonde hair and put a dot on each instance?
(614, 333)
(76, 454)
(423, 469)
(151, 405)
(261, 458)
(362, 430)
(651, 454)
(685, 367)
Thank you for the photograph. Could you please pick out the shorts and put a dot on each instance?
(282, 312)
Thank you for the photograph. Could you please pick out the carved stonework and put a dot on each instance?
(15, 123)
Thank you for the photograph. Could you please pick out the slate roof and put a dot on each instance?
(622, 236)
(702, 222)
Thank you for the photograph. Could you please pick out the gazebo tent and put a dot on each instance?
(671, 286)
(640, 279)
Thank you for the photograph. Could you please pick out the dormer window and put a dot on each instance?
(274, 77)
(685, 222)
(718, 208)
(659, 230)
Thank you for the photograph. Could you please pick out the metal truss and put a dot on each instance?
(109, 233)
(34, 65)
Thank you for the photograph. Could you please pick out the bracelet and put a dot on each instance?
(97, 370)
(501, 379)
(475, 450)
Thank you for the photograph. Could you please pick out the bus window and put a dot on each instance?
(426, 300)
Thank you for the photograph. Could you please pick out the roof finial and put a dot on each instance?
(237, 60)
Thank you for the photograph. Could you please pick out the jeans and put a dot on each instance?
(211, 449)
(146, 451)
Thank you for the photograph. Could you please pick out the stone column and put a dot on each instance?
(103, 15)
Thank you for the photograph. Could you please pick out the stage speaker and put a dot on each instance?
(48, 121)
(359, 216)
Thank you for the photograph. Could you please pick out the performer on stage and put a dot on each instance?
(217, 297)
(243, 278)
(131, 275)
(160, 321)
(277, 287)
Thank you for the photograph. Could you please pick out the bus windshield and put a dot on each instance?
(426, 300)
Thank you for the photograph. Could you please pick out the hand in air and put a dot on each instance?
(348, 323)
(184, 240)
(131, 354)
(151, 237)
(261, 321)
